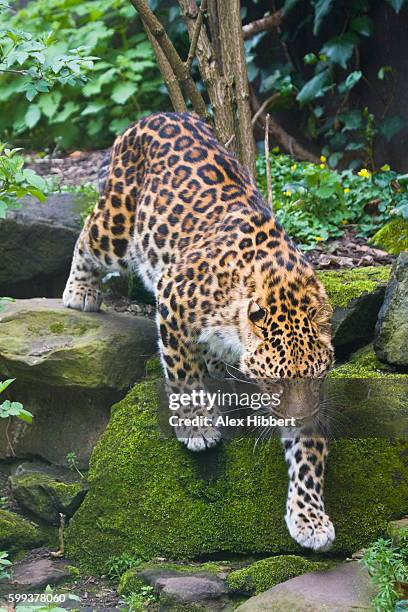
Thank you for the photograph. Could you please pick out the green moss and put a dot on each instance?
(57, 328)
(392, 237)
(266, 573)
(154, 368)
(16, 533)
(364, 364)
(150, 497)
(344, 285)
(130, 582)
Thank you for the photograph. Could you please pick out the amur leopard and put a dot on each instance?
(231, 287)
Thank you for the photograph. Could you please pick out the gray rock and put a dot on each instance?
(342, 589)
(391, 339)
(39, 237)
(38, 573)
(70, 368)
(189, 589)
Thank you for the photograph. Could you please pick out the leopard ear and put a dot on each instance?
(322, 317)
(256, 314)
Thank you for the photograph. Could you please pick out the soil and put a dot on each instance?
(81, 167)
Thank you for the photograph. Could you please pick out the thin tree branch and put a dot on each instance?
(169, 77)
(264, 106)
(268, 163)
(175, 61)
(23, 72)
(196, 34)
(287, 142)
(262, 25)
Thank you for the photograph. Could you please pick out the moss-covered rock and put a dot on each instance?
(356, 297)
(149, 496)
(392, 237)
(365, 364)
(46, 496)
(16, 533)
(266, 573)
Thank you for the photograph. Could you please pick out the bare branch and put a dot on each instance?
(287, 142)
(269, 101)
(21, 72)
(169, 77)
(261, 25)
(268, 163)
(196, 34)
(175, 61)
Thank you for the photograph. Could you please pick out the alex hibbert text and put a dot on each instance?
(252, 420)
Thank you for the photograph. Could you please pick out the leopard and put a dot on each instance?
(177, 208)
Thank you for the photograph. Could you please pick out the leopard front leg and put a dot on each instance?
(82, 290)
(185, 371)
(306, 518)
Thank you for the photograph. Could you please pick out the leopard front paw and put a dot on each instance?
(82, 297)
(311, 528)
(198, 439)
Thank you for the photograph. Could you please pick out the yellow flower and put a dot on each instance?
(364, 173)
(293, 168)
(322, 166)
(344, 221)
(323, 158)
(385, 168)
(346, 190)
(319, 239)
(287, 193)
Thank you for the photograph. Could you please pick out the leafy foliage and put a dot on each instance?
(140, 601)
(388, 566)
(315, 203)
(119, 564)
(17, 181)
(4, 564)
(124, 84)
(13, 409)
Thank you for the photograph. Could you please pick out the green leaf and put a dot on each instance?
(33, 179)
(362, 25)
(340, 49)
(5, 384)
(49, 103)
(314, 88)
(322, 8)
(289, 5)
(352, 79)
(69, 108)
(122, 92)
(396, 4)
(32, 116)
(94, 107)
(391, 126)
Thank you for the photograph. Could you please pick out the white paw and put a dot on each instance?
(200, 441)
(315, 533)
(87, 299)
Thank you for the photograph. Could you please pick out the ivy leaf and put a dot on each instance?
(362, 25)
(340, 49)
(391, 126)
(314, 88)
(122, 92)
(352, 79)
(32, 116)
(322, 8)
(396, 4)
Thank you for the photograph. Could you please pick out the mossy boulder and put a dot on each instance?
(356, 297)
(392, 237)
(46, 495)
(70, 367)
(150, 497)
(16, 533)
(391, 341)
(266, 573)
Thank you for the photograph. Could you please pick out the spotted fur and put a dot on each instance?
(177, 208)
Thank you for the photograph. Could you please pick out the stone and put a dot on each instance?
(266, 573)
(47, 491)
(38, 573)
(346, 587)
(70, 368)
(17, 533)
(150, 497)
(37, 241)
(396, 529)
(356, 297)
(391, 334)
(189, 589)
(392, 237)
